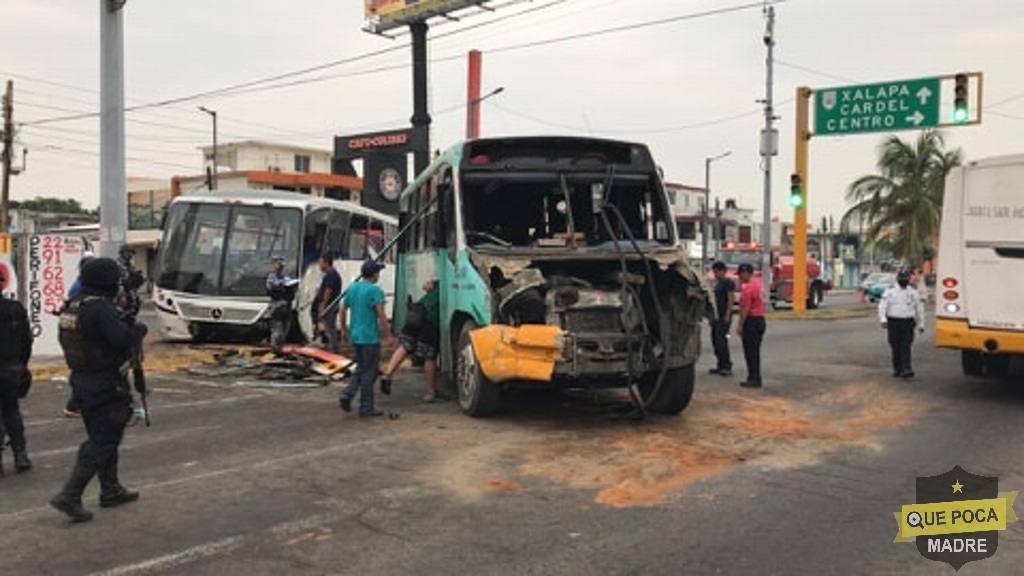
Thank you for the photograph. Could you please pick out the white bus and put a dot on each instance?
(216, 252)
(979, 310)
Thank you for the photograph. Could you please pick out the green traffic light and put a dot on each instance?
(960, 114)
(796, 199)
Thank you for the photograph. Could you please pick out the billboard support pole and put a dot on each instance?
(420, 115)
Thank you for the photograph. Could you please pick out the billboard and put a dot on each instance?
(51, 264)
(384, 15)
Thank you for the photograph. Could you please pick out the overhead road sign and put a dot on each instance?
(881, 107)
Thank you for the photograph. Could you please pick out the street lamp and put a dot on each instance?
(473, 112)
(213, 114)
(707, 202)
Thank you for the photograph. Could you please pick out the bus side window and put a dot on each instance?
(445, 222)
(355, 240)
(336, 232)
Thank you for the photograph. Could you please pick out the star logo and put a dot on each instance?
(958, 487)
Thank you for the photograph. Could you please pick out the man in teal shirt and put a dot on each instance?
(363, 321)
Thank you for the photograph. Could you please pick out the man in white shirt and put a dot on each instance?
(900, 311)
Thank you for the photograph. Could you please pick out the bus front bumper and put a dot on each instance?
(960, 335)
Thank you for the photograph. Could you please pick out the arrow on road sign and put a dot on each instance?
(923, 95)
(916, 118)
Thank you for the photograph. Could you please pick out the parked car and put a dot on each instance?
(870, 280)
(876, 290)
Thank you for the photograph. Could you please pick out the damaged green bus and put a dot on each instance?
(557, 264)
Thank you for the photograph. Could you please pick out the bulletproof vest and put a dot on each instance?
(12, 325)
(80, 353)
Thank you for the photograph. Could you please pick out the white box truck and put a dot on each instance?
(980, 285)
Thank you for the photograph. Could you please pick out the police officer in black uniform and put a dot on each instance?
(14, 355)
(98, 345)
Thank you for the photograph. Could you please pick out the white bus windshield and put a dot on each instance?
(225, 249)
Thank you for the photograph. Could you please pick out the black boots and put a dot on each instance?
(21, 461)
(69, 500)
(111, 492)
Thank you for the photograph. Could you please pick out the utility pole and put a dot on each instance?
(705, 228)
(7, 154)
(769, 148)
(113, 196)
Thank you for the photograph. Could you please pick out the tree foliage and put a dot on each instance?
(902, 204)
(58, 205)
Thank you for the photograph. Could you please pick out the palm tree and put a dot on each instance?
(902, 204)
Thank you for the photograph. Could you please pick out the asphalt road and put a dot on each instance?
(802, 477)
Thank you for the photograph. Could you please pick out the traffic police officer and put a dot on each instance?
(98, 345)
(281, 290)
(900, 311)
(14, 377)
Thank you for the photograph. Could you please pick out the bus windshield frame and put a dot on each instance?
(224, 249)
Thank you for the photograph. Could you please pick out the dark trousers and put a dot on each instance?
(10, 411)
(720, 342)
(753, 334)
(367, 365)
(106, 409)
(901, 337)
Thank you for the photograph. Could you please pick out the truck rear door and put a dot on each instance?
(993, 233)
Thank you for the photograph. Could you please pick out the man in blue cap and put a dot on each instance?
(363, 321)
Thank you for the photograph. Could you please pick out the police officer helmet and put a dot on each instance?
(903, 274)
(101, 274)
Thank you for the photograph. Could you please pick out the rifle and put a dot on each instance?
(383, 251)
(139, 379)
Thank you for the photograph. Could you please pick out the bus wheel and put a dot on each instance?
(675, 393)
(972, 362)
(998, 365)
(478, 396)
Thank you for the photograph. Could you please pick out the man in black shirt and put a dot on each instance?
(330, 287)
(725, 291)
(14, 355)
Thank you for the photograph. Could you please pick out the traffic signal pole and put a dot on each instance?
(803, 138)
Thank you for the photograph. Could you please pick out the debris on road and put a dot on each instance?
(298, 367)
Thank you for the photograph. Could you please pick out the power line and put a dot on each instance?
(267, 83)
(58, 148)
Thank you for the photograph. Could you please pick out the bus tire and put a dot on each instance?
(972, 362)
(675, 393)
(478, 396)
(997, 365)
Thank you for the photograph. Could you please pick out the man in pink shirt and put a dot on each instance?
(751, 326)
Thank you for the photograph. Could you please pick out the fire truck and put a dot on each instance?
(735, 253)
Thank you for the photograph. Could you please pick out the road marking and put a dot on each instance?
(282, 532)
(272, 462)
(148, 440)
(161, 407)
(177, 559)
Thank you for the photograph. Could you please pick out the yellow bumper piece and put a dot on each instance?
(517, 353)
(958, 334)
